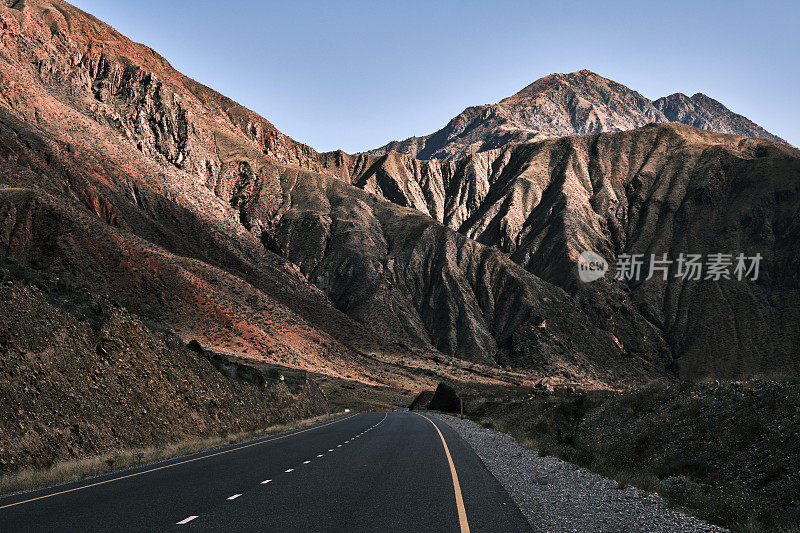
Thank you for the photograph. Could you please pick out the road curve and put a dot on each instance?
(365, 472)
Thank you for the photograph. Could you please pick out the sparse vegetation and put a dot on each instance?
(66, 471)
(679, 491)
(693, 443)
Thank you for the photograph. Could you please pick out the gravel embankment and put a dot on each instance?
(556, 496)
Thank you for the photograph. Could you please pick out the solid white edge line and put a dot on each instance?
(186, 520)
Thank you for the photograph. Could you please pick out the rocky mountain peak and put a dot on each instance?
(582, 81)
(558, 104)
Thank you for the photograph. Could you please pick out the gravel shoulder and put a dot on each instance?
(556, 496)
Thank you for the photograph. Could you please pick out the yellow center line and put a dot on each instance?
(462, 512)
(178, 463)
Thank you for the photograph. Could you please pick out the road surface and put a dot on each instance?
(363, 472)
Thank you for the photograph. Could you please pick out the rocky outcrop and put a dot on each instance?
(233, 369)
(445, 399)
(421, 401)
(567, 104)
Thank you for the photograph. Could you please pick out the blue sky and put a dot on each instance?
(355, 75)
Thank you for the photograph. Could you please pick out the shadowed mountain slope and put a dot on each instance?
(664, 188)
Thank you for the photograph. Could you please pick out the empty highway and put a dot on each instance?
(363, 472)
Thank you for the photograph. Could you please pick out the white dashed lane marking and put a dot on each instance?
(190, 518)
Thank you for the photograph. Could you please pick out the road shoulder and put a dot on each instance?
(555, 496)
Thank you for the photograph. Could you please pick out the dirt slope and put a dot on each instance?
(83, 376)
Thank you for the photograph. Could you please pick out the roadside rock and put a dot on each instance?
(444, 399)
(422, 401)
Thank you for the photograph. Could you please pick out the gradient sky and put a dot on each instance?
(355, 75)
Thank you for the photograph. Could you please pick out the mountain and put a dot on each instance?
(567, 104)
(95, 131)
(125, 174)
(196, 213)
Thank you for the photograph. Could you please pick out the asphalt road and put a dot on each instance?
(366, 472)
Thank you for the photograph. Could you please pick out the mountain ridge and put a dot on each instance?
(558, 104)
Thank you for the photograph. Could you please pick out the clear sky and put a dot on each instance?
(355, 75)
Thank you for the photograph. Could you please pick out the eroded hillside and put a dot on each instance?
(662, 189)
(199, 213)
